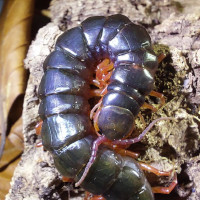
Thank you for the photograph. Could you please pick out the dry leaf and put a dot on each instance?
(5, 177)
(15, 25)
(11, 157)
(10, 153)
(16, 136)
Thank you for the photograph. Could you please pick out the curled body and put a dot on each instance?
(67, 131)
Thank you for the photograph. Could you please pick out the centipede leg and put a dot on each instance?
(39, 144)
(94, 109)
(96, 115)
(95, 119)
(66, 179)
(148, 106)
(142, 119)
(103, 72)
(89, 196)
(158, 95)
(166, 190)
(125, 152)
(95, 147)
(38, 127)
(103, 68)
(97, 198)
(151, 169)
(107, 77)
(161, 57)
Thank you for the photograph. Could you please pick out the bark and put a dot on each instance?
(170, 145)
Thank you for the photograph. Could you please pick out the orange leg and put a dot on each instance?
(142, 119)
(103, 73)
(153, 170)
(123, 152)
(166, 190)
(148, 106)
(39, 144)
(107, 76)
(103, 68)
(95, 120)
(38, 127)
(66, 179)
(96, 93)
(96, 115)
(162, 190)
(97, 198)
(161, 57)
(97, 106)
(95, 83)
(99, 92)
(158, 95)
(89, 196)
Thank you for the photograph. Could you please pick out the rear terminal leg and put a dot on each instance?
(95, 147)
(166, 190)
(162, 190)
(149, 168)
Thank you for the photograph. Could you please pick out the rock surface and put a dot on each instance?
(170, 144)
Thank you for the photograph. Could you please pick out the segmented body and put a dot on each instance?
(67, 131)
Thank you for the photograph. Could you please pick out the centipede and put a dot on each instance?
(110, 58)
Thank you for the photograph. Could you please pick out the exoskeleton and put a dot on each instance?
(67, 131)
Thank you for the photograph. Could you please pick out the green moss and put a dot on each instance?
(160, 48)
(179, 7)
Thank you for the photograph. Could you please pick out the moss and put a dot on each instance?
(179, 7)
